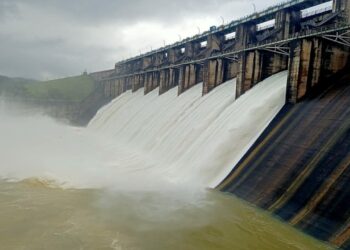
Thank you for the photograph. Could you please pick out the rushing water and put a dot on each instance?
(136, 177)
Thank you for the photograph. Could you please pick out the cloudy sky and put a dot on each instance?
(46, 39)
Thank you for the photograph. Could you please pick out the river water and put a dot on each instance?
(36, 215)
(138, 176)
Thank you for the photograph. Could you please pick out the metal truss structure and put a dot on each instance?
(342, 38)
(282, 49)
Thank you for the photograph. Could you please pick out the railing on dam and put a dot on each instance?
(301, 35)
(256, 46)
(246, 51)
(263, 15)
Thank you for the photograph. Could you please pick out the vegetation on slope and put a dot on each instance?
(13, 86)
(68, 89)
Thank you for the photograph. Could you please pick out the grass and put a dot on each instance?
(66, 89)
(13, 86)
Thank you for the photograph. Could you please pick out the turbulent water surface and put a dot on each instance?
(137, 176)
(35, 216)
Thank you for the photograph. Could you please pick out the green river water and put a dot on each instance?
(35, 214)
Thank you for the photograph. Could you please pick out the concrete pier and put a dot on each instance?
(188, 77)
(169, 78)
(288, 36)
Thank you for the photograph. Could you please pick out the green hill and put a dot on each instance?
(67, 89)
(13, 86)
(73, 89)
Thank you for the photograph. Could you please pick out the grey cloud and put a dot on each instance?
(7, 8)
(46, 59)
(93, 11)
(123, 11)
(55, 38)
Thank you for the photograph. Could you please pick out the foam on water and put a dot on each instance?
(144, 141)
(191, 138)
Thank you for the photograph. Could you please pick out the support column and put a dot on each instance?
(343, 6)
(283, 24)
(288, 22)
(305, 68)
(245, 34)
(107, 88)
(192, 49)
(188, 77)
(189, 74)
(152, 81)
(148, 83)
(173, 55)
(146, 63)
(137, 83)
(113, 87)
(213, 70)
(335, 59)
(214, 74)
(123, 85)
(128, 83)
(119, 86)
(250, 71)
(214, 43)
(164, 81)
(231, 70)
(159, 59)
(169, 78)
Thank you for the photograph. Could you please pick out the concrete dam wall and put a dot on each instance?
(299, 167)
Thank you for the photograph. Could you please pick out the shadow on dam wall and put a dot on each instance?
(299, 169)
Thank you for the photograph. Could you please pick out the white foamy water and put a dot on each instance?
(190, 138)
(142, 142)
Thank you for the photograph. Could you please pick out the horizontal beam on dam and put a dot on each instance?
(262, 16)
(250, 49)
(299, 36)
(250, 65)
(299, 169)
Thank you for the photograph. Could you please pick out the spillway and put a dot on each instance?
(299, 169)
(136, 177)
(189, 138)
(148, 140)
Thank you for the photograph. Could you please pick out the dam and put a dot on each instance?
(138, 175)
(298, 168)
(311, 44)
(236, 138)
